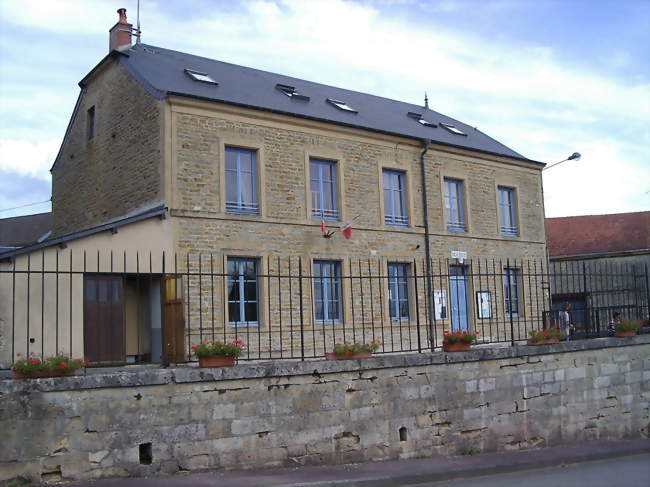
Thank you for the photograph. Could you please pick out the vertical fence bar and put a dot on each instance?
(43, 304)
(509, 277)
(302, 313)
(280, 306)
(29, 274)
(13, 310)
(417, 304)
(268, 302)
(189, 300)
(200, 298)
(212, 295)
(372, 305)
(290, 305)
(352, 301)
(363, 308)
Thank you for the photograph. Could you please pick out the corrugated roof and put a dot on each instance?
(598, 234)
(162, 72)
(158, 211)
(20, 231)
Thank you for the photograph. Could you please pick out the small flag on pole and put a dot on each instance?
(346, 230)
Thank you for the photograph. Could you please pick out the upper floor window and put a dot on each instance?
(90, 123)
(511, 287)
(394, 198)
(241, 184)
(324, 200)
(454, 205)
(508, 212)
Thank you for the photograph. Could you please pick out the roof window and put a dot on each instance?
(452, 129)
(198, 76)
(418, 118)
(341, 105)
(291, 92)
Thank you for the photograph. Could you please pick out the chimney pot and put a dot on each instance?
(120, 33)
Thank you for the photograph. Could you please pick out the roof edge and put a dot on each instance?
(615, 253)
(145, 215)
(359, 127)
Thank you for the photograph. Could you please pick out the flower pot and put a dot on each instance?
(625, 334)
(39, 375)
(544, 342)
(456, 347)
(217, 361)
(333, 356)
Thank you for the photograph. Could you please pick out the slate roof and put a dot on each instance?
(20, 231)
(598, 234)
(162, 73)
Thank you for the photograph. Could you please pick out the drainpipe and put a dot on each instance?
(427, 248)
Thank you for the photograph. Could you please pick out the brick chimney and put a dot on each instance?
(120, 33)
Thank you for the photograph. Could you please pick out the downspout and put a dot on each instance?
(427, 247)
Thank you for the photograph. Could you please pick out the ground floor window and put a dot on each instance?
(243, 294)
(398, 292)
(327, 291)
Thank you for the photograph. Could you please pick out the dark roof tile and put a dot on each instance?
(162, 72)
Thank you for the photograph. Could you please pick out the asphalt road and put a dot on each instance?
(631, 471)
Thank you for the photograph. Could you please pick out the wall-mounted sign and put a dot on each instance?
(461, 255)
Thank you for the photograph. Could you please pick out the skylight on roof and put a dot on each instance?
(418, 118)
(341, 105)
(291, 92)
(452, 129)
(198, 76)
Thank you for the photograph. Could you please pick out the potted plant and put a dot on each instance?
(627, 328)
(218, 354)
(458, 341)
(354, 351)
(545, 336)
(34, 367)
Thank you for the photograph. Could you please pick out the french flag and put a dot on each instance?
(346, 230)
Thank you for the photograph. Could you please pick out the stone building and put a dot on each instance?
(248, 167)
(601, 265)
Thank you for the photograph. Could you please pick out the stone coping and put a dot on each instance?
(151, 375)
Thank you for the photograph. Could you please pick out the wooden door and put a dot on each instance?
(173, 320)
(104, 325)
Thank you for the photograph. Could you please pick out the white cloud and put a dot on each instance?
(27, 158)
(520, 93)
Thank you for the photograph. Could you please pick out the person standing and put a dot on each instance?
(611, 327)
(565, 321)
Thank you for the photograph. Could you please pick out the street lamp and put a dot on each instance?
(573, 157)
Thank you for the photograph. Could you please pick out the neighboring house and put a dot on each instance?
(605, 262)
(246, 165)
(21, 231)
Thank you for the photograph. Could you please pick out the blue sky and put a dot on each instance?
(546, 78)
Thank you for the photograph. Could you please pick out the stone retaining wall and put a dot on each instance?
(146, 421)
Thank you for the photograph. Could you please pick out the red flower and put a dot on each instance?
(33, 361)
(63, 365)
(19, 355)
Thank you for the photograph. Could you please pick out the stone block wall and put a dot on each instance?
(160, 421)
(119, 170)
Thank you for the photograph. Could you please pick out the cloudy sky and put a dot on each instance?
(545, 77)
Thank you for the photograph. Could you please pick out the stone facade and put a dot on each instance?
(118, 171)
(161, 421)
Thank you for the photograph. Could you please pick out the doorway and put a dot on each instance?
(458, 291)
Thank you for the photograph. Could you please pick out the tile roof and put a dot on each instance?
(20, 231)
(163, 72)
(597, 234)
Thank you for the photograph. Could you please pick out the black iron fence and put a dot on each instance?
(131, 308)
